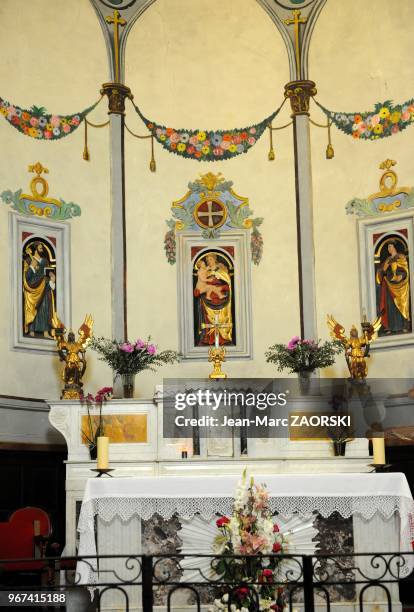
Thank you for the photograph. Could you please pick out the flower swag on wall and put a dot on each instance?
(208, 145)
(211, 207)
(36, 122)
(385, 120)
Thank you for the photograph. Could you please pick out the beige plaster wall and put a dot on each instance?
(212, 64)
(53, 55)
(359, 56)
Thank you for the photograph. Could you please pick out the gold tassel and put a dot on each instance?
(86, 155)
(271, 156)
(153, 165)
(330, 153)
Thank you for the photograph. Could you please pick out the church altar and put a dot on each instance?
(380, 505)
(138, 448)
(155, 489)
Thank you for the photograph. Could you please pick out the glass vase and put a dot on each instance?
(304, 377)
(128, 385)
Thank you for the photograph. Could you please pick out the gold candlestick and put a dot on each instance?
(216, 354)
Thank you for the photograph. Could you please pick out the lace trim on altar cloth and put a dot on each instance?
(145, 507)
(107, 508)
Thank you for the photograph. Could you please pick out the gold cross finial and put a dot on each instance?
(296, 22)
(117, 20)
(38, 168)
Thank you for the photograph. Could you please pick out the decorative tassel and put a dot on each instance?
(330, 153)
(86, 155)
(271, 155)
(153, 165)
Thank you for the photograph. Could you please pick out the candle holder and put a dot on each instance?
(102, 472)
(217, 355)
(379, 468)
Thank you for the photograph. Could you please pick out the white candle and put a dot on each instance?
(378, 446)
(36, 528)
(216, 331)
(103, 453)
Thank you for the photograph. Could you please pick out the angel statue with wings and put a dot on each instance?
(72, 352)
(356, 346)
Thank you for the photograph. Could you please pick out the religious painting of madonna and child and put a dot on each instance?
(392, 278)
(214, 300)
(40, 277)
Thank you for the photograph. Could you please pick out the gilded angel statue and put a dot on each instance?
(356, 346)
(72, 352)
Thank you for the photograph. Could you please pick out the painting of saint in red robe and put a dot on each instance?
(213, 298)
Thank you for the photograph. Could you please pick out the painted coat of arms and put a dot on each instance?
(211, 207)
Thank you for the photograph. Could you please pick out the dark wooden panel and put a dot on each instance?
(34, 478)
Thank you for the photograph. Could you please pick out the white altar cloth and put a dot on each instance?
(364, 495)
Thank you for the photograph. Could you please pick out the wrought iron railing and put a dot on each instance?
(174, 581)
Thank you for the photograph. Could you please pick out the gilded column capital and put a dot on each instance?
(117, 93)
(299, 94)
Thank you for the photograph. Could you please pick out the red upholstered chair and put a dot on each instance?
(25, 535)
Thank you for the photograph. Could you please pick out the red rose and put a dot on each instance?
(242, 591)
(190, 149)
(15, 120)
(197, 153)
(267, 572)
(223, 520)
(276, 528)
(243, 135)
(277, 547)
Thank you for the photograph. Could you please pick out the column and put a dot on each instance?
(299, 94)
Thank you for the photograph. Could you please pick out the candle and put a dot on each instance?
(364, 315)
(216, 331)
(378, 445)
(103, 453)
(36, 528)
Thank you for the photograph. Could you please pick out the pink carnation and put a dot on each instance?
(139, 344)
(292, 344)
(55, 120)
(66, 128)
(33, 121)
(152, 349)
(126, 347)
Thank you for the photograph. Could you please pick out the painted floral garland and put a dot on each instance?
(36, 122)
(207, 145)
(385, 120)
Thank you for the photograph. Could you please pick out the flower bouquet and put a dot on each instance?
(95, 425)
(128, 358)
(250, 532)
(303, 355)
